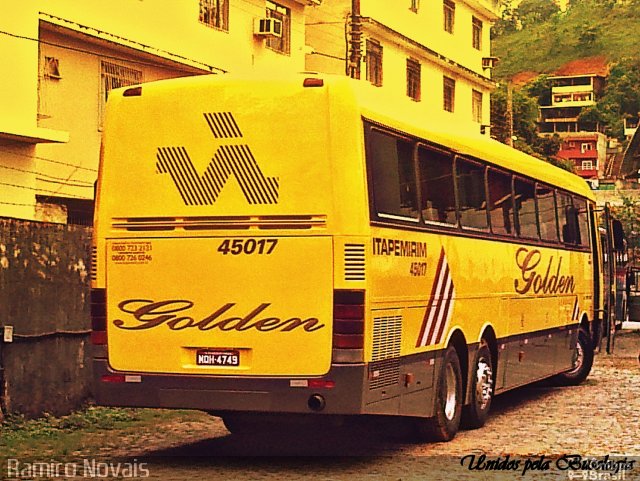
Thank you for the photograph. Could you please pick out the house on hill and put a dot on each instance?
(574, 86)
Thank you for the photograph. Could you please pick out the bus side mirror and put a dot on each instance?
(618, 236)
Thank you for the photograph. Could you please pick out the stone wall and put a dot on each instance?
(44, 296)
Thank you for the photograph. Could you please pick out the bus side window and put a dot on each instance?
(436, 186)
(527, 225)
(472, 200)
(583, 221)
(394, 183)
(500, 202)
(547, 213)
(568, 220)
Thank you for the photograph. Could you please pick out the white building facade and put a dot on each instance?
(62, 57)
(434, 52)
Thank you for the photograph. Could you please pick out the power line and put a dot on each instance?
(44, 159)
(110, 57)
(329, 56)
(18, 204)
(53, 177)
(66, 182)
(54, 192)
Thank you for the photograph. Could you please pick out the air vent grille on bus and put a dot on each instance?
(93, 268)
(354, 262)
(384, 373)
(387, 337)
(265, 222)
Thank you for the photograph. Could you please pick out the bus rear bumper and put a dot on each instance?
(341, 394)
(347, 389)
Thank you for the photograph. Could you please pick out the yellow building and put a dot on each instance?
(62, 57)
(435, 51)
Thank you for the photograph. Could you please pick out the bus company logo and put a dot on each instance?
(174, 314)
(235, 160)
(541, 281)
(440, 307)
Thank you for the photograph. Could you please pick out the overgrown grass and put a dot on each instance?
(79, 432)
(544, 47)
(91, 418)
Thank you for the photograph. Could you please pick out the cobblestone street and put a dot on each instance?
(598, 418)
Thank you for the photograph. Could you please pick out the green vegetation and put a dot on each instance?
(525, 114)
(629, 214)
(537, 36)
(86, 429)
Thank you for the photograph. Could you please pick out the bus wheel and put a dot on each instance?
(582, 362)
(476, 413)
(238, 424)
(448, 402)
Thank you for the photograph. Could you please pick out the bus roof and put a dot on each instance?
(404, 115)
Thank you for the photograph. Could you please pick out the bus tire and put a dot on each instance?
(475, 414)
(238, 424)
(445, 423)
(583, 361)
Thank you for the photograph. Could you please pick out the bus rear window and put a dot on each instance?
(394, 183)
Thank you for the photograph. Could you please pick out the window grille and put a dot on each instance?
(374, 63)
(476, 33)
(413, 79)
(114, 76)
(449, 9)
(449, 92)
(215, 13)
(476, 106)
(280, 44)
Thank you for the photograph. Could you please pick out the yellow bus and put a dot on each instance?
(305, 248)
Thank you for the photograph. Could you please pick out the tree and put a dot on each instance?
(588, 35)
(629, 215)
(507, 23)
(525, 115)
(621, 99)
(532, 12)
(540, 88)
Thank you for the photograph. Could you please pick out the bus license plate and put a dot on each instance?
(206, 357)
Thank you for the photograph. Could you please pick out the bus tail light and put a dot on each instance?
(133, 92)
(98, 317)
(348, 319)
(313, 82)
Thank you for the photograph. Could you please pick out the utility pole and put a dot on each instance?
(355, 43)
(509, 114)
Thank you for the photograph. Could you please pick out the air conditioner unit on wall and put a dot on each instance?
(489, 62)
(271, 27)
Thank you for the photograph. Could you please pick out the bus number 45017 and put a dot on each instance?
(247, 246)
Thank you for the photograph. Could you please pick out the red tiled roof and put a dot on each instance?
(522, 78)
(598, 65)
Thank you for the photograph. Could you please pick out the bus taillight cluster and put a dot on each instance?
(348, 319)
(98, 316)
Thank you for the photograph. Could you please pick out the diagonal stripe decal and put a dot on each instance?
(576, 310)
(441, 302)
(235, 160)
